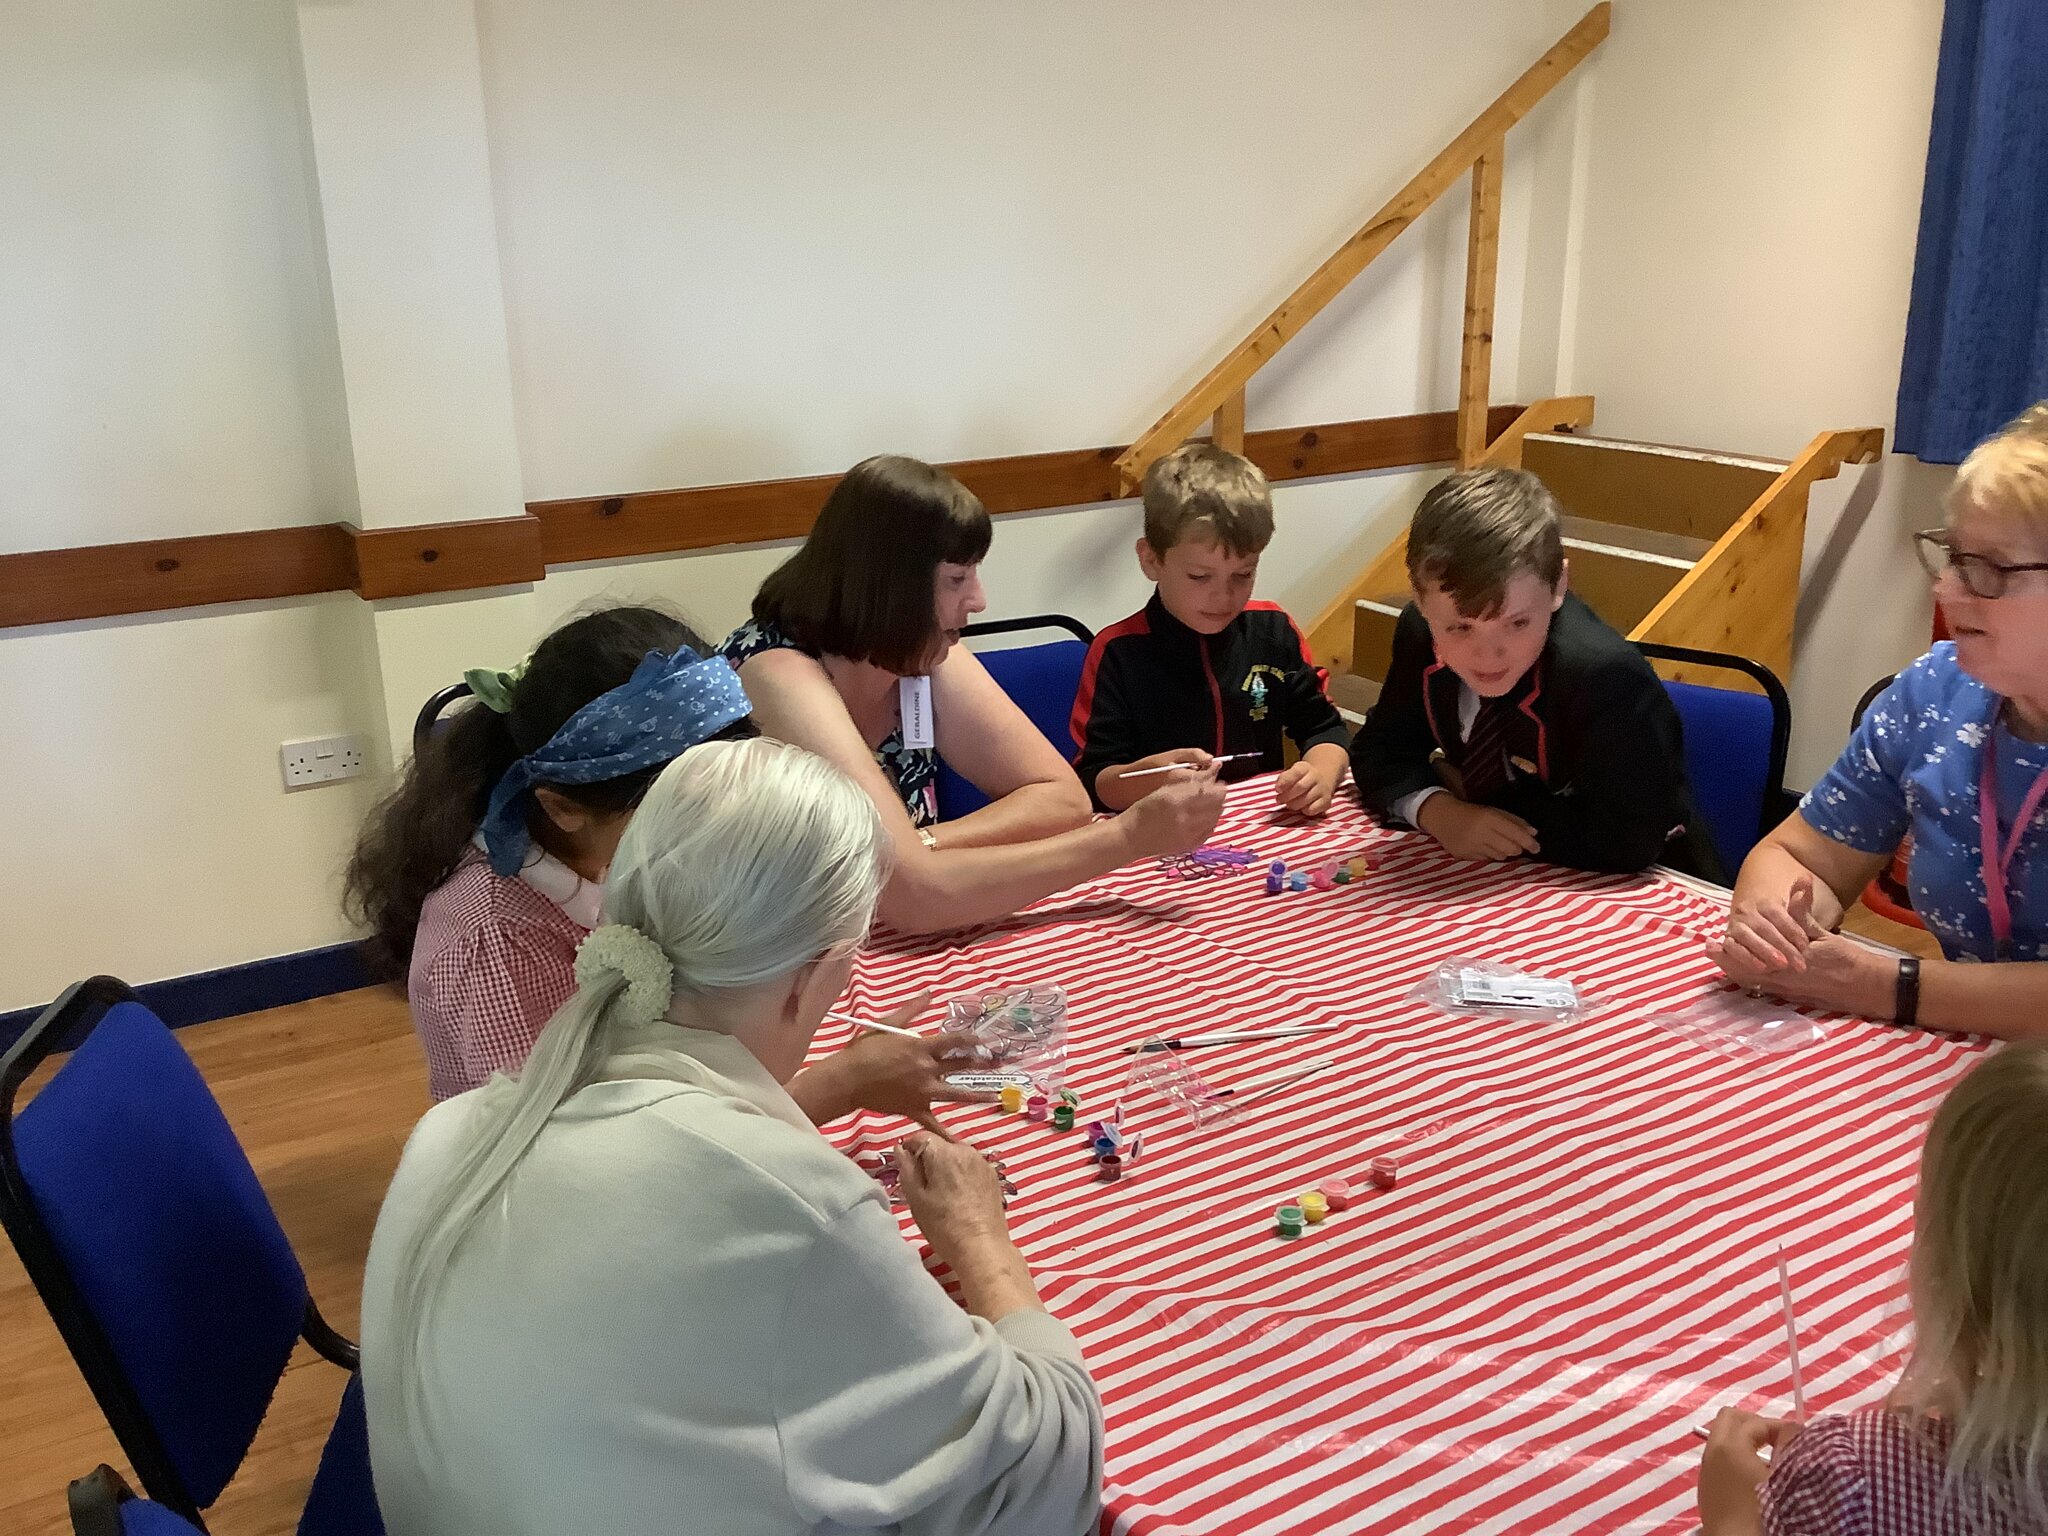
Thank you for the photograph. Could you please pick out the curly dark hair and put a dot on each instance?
(414, 838)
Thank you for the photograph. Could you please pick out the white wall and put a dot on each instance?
(739, 240)
(1752, 203)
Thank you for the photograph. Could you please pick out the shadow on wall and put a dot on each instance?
(1864, 608)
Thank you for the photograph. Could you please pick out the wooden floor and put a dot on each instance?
(323, 1095)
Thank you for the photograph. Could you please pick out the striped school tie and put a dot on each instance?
(1484, 762)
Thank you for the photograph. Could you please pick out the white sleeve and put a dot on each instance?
(895, 1408)
(1406, 807)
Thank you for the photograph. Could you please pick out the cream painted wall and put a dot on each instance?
(167, 359)
(741, 241)
(1751, 207)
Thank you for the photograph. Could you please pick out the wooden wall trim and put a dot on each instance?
(162, 575)
(705, 517)
(447, 557)
(53, 586)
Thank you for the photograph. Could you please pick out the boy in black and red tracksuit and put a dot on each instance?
(1203, 672)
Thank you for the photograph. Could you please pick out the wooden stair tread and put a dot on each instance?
(1660, 450)
(1353, 695)
(1620, 538)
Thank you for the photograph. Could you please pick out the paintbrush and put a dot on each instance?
(1231, 1037)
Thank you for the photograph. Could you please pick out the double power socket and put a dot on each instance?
(322, 761)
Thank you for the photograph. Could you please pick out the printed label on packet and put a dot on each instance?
(914, 709)
(988, 1082)
(1477, 987)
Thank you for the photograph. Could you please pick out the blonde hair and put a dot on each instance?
(747, 861)
(1980, 1276)
(1202, 491)
(2007, 474)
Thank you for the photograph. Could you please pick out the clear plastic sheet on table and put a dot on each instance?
(1466, 986)
(1163, 1080)
(1732, 1023)
(1022, 1032)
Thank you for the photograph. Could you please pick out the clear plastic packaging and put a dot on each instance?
(1022, 1030)
(1163, 1077)
(1467, 986)
(1732, 1023)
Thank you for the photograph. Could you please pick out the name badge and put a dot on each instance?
(914, 710)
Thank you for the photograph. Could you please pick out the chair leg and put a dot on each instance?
(95, 1501)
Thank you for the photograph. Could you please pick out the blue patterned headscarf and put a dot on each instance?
(670, 703)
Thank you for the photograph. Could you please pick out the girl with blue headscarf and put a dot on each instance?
(481, 875)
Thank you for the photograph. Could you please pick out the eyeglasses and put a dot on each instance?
(1980, 575)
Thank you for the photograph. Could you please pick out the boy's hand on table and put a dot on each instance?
(1307, 788)
(1480, 833)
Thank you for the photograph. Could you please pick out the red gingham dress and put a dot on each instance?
(492, 960)
(1873, 1473)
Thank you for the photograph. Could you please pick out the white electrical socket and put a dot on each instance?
(321, 761)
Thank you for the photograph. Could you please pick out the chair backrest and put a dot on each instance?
(1735, 746)
(1040, 679)
(1869, 698)
(144, 1229)
(430, 714)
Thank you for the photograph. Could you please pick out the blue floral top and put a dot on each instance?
(913, 770)
(1914, 764)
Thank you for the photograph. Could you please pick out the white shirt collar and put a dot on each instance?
(581, 901)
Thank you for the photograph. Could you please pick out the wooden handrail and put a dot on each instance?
(1477, 149)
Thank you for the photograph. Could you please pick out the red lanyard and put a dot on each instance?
(1997, 856)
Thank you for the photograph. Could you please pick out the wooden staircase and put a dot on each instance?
(1669, 544)
(1677, 545)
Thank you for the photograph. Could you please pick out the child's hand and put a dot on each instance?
(1306, 789)
(1481, 833)
(1733, 1468)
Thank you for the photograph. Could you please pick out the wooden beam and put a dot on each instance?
(54, 586)
(1355, 254)
(101, 581)
(1227, 430)
(707, 517)
(447, 557)
(1475, 362)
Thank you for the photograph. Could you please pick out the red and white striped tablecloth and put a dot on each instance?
(1520, 1337)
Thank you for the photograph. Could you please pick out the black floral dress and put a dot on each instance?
(913, 770)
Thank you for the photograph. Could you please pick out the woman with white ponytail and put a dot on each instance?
(634, 1290)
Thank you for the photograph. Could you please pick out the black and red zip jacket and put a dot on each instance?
(1151, 684)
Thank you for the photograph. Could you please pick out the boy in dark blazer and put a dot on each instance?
(1514, 722)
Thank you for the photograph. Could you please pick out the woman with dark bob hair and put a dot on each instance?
(853, 652)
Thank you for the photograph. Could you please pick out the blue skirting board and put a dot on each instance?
(235, 989)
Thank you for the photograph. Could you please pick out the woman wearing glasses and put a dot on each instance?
(1955, 751)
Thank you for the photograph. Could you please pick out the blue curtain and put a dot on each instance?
(1977, 333)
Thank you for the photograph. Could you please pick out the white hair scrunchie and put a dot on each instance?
(650, 978)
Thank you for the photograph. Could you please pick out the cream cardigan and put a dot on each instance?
(688, 1314)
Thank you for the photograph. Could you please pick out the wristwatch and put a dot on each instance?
(1906, 999)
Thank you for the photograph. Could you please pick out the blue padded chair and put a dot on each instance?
(1735, 746)
(1040, 679)
(145, 1231)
